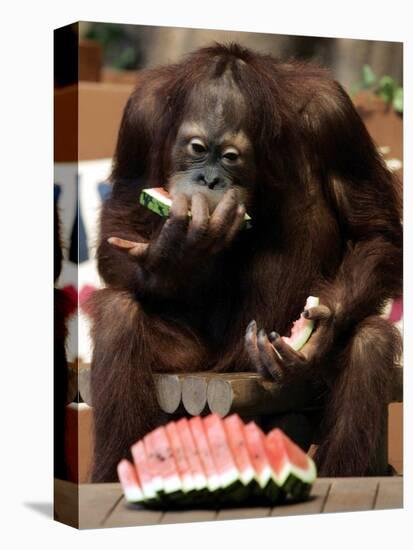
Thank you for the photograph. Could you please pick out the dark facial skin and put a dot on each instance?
(212, 152)
(211, 162)
(213, 177)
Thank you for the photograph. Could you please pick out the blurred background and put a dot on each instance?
(96, 66)
(132, 47)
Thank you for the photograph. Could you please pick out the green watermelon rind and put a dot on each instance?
(296, 485)
(296, 482)
(151, 199)
(304, 334)
(158, 204)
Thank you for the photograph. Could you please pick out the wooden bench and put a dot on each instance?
(245, 393)
(295, 409)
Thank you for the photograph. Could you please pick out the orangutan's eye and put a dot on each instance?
(230, 154)
(197, 147)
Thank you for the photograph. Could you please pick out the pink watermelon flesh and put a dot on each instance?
(129, 481)
(220, 450)
(164, 461)
(234, 429)
(191, 453)
(180, 457)
(214, 453)
(143, 469)
(302, 328)
(288, 458)
(256, 448)
(201, 441)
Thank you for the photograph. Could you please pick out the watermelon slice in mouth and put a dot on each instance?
(212, 462)
(159, 201)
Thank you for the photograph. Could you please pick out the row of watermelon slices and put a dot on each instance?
(213, 461)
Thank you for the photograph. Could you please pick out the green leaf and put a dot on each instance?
(355, 88)
(386, 89)
(368, 77)
(126, 59)
(398, 100)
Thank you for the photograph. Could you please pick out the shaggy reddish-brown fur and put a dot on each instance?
(326, 223)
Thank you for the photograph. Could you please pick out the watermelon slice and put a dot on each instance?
(233, 488)
(159, 201)
(130, 483)
(184, 470)
(302, 328)
(201, 441)
(293, 468)
(156, 475)
(164, 462)
(266, 479)
(220, 450)
(192, 455)
(143, 470)
(234, 429)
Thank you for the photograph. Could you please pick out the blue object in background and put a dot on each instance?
(56, 192)
(104, 190)
(78, 251)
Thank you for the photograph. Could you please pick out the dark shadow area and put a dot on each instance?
(42, 508)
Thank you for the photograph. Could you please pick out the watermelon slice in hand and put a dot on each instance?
(159, 201)
(302, 328)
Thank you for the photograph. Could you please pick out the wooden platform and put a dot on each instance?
(103, 505)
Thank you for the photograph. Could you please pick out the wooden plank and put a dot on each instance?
(248, 393)
(351, 494)
(71, 383)
(102, 505)
(169, 391)
(96, 501)
(188, 516)
(194, 393)
(244, 513)
(380, 463)
(397, 386)
(66, 502)
(124, 515)
(389, 494)
(84, 375)
(314, 505)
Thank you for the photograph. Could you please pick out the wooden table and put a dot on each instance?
(103, 505)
